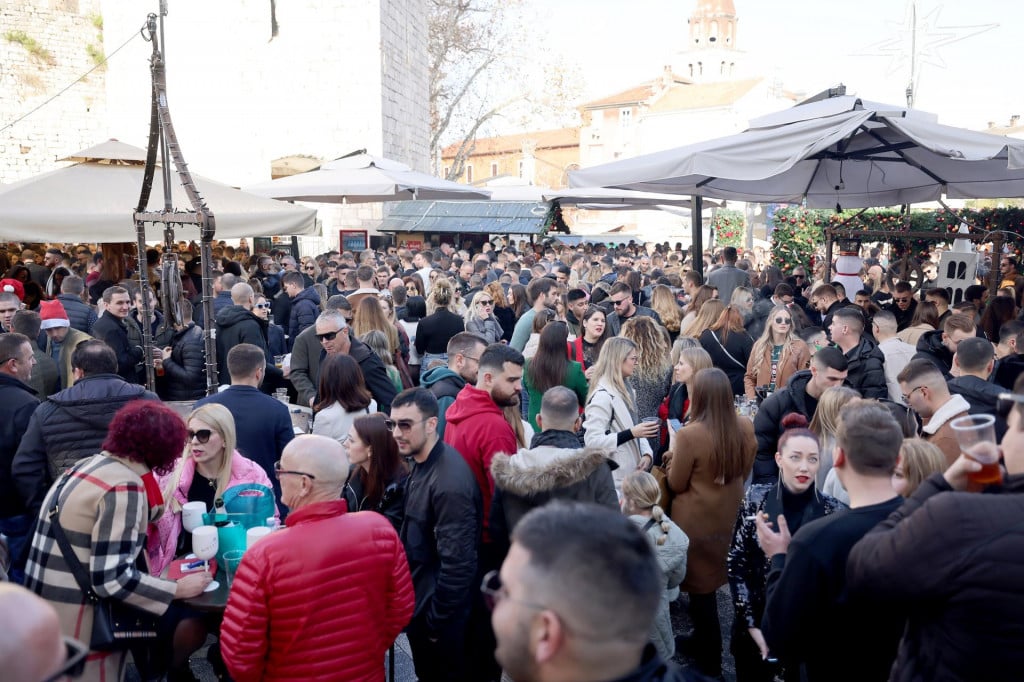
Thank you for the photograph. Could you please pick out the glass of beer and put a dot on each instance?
(976, 436)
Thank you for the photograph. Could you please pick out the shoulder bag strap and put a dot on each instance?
(719, 342)
(77, 570)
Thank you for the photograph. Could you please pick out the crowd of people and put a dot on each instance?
(521, 456)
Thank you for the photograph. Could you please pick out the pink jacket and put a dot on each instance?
(162, 536)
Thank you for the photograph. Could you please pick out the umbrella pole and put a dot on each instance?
(146, 311)
(828, 255)
(697, 231)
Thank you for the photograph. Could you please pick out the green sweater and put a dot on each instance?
(574, 380)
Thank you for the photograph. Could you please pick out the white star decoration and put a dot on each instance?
(918, 40)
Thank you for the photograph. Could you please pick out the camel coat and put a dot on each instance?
(795, 357)
(703, 509)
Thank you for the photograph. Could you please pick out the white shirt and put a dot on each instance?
(897, 354)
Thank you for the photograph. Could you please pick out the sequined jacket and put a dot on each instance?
(746, 565)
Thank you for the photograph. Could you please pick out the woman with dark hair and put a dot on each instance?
(33, 295)
(341, 396)
(729, 345)
(586, 348)
(999, 310)
(415, 310)
(771, 277)
(518, 300)
(549, 367)
(59, 273)
(20, 273)
(104, 505)
(112, 271)
(794, 496)
(414, 286)
(711, 457)
(926, 319)
(376, 477)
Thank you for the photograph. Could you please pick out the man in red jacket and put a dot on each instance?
(476, 423)
(325, 597)
(477, 428)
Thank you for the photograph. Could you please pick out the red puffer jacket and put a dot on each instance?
(321, 600)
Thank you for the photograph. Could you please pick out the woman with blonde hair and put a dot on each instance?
(480, 318)
(502, 310)
(825, 424)
(663, 302)
(441, 323)
(704, 294)
(640, 493)
(729, 345)
(209, 465)
(370, 316)
(711, 457)
(611, 421)
(918, 460)
(777, 355)
(653, 374)
(676, 407)
(702, 321)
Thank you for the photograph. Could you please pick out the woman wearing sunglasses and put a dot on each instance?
(209, 466)
(275, 333)
(777, 355)
(480, 318)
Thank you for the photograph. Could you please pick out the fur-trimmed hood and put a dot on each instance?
(545, 468)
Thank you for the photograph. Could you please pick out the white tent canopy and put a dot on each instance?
(361, 178)
(94, 200)
(842, 151)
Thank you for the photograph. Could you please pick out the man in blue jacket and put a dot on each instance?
(262, 423)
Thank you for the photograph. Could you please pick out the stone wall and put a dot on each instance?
(405, 82)
(63, 30)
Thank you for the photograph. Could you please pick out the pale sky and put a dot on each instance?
(810, 45)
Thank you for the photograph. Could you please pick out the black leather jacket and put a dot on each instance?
(441, 535)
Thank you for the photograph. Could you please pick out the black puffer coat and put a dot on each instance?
(931, 348)
(237, 325)
(17, 403)
(66, 427)
(81, 315)
(185, 369)
(866, 370)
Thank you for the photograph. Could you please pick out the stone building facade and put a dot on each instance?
(246, 85)
(44, 46)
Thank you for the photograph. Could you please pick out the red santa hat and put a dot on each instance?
(13, 286)
(53, 315)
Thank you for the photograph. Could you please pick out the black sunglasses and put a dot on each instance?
(329, 336)
(202, 435)
(1006, 401)
(783, 320)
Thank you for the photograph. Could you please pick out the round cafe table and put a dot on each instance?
(214, 601)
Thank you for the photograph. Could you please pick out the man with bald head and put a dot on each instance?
(351, 565)
(237, 324)
(32, 648)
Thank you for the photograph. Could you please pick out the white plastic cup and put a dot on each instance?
(192, 515)
(253, 535)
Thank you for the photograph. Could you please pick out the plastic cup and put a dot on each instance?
(279, 361)
(192, 515)
(255, 534)
(976, 436)
(232, 560)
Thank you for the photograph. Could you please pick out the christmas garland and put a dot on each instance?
(799, 232)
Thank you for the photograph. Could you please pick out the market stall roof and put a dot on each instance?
(478, 217)
(93, 200)
(606, 238)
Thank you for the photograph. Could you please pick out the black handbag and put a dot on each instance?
(115, 624)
